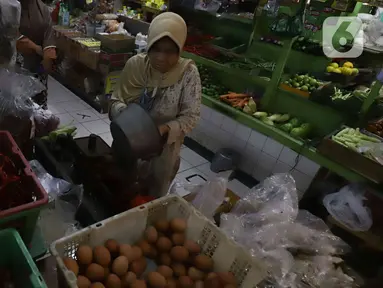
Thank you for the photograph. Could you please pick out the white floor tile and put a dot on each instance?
(97, 127)
(216, 118)
(81, 131)
(205, 112)
(205, 169)
(302, 180)
(257, 139)
(272, 147)
(106, 120)
(229, 125)
(288, 156)
(307, 166)
(193, 176)
(242, 132)
(184, 165)
(260, 174)
(55, 108)
(84, 116)
(281, 167)
(266, 162)
(107, 137)
(73, 106)
(192, 157)
(66, 119)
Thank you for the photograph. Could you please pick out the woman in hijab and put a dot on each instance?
(168, 87)
(36, 42)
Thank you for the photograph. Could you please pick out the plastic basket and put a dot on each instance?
(22, 217)
(128, 227)
(15, 257)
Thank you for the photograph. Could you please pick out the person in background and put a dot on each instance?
(168, 87)
(36, 43)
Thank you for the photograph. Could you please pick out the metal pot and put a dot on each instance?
(135, 135)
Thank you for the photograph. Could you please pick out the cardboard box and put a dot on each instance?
(88, 57)
(117, 43)
(112, 62)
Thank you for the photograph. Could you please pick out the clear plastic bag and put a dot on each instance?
(347, 207)
(16, 92)
(44, 121)
(10, 12)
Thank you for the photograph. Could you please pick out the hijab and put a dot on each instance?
(139, 74)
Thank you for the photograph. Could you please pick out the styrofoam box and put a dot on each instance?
(128, 227)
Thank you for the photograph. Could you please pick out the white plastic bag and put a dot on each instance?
(346, 206)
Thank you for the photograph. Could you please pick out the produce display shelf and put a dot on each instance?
(230, 71)
(283, 138)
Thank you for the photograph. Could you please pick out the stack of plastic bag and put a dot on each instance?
(296, 246)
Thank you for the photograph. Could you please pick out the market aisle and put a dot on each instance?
(73, 111)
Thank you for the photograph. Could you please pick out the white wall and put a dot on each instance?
(261, 155)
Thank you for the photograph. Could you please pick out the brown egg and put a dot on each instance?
(165, 271)
(178, 269)
(179, 254)
(185, 281)
(71, 265)
(178, 225)
(120, 266)
(106, 273)
(230, 286)
(138, 267)
(97, 285)
(203, 263)
(113, 281)
(227, 278)
(171, 283)
(128, 279)
(83, 282)
(195, 274)
(145, 247)
(113, 246)
(101, 256)
(213, 283)
(151, 235)
(165, 259)
(164, 244)
(211, 275)
(139, 284)
(84, 255)
(162, 226)
(136, 254)
(192, 247)
(95, 272)
(199, 284)
(178, 238)
(156, 280)
(125, 250)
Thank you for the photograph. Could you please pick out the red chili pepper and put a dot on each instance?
(140, 200)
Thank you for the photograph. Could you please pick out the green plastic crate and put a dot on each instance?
(14, 255)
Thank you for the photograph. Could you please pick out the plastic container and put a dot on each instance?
(128, 227)
(22, 217)
(15, 257)
(93, 29)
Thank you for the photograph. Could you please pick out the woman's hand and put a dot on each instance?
(164, 129)
(49, 55)
(27, 47)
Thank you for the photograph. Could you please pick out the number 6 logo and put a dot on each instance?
(342, 37)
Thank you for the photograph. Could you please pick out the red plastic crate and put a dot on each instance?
(31, 196)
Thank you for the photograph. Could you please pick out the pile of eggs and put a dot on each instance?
(179, 262)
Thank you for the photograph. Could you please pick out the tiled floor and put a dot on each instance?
(73, 111)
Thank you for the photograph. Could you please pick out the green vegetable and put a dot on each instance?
(275, 117)
(267, 121)
(287, 127)
(67, 130)
(252, 105)
(283, 118)
(354, 139)
(295, 122)
(302, 131)
(260, 114)
(247, 109)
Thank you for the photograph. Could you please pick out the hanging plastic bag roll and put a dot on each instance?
(347, 207)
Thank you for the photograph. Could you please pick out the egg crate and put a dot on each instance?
(128, 227)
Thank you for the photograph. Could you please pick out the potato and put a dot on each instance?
(162, 226)
(113, 281)
(192, 247)
(71, 265)
(165, 259)
(128, 279)
(97, 285)
(95, 272)
(165, 271)
(185, 282)
(101, 256)
(151, 235)
(203, 263)
(178, 225)
(195, 274)
(139, 284)
(156, 280)
(178, 269)
(227, 278)
(179, 254)
(138, 267)
(120, 266)
(84, 255)
(113, 247)
(178, 239)
(164, 244)
(83, 282)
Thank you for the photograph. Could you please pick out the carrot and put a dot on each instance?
(241, 103)
(233, 96)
